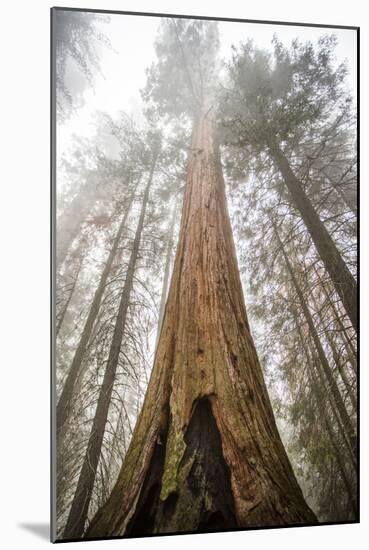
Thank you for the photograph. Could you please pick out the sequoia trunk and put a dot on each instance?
(205, 453)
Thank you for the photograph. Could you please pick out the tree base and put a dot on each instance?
(203, 501)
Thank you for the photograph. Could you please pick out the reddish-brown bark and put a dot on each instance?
(205, 358)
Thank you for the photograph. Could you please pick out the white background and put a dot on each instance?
(24, 273)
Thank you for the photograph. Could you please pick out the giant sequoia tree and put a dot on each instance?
(221, 179)
(205, 453)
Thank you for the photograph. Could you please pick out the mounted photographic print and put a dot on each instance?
(204, 315)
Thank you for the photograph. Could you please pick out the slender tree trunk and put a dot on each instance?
(341, 428)
(64, 403)
(336, 358)
(318, 385)
(70, 222)
(351, 493)
(344, 416)
(205, 453)
(349, 201)
(67, 302)
(342, 279)
(351, 351)
(78, 513)
(332, 344)
(168, 258)
(317, 390)
(341, 370)
(319, 399)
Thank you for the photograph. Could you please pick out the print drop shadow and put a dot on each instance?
(42, 530)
